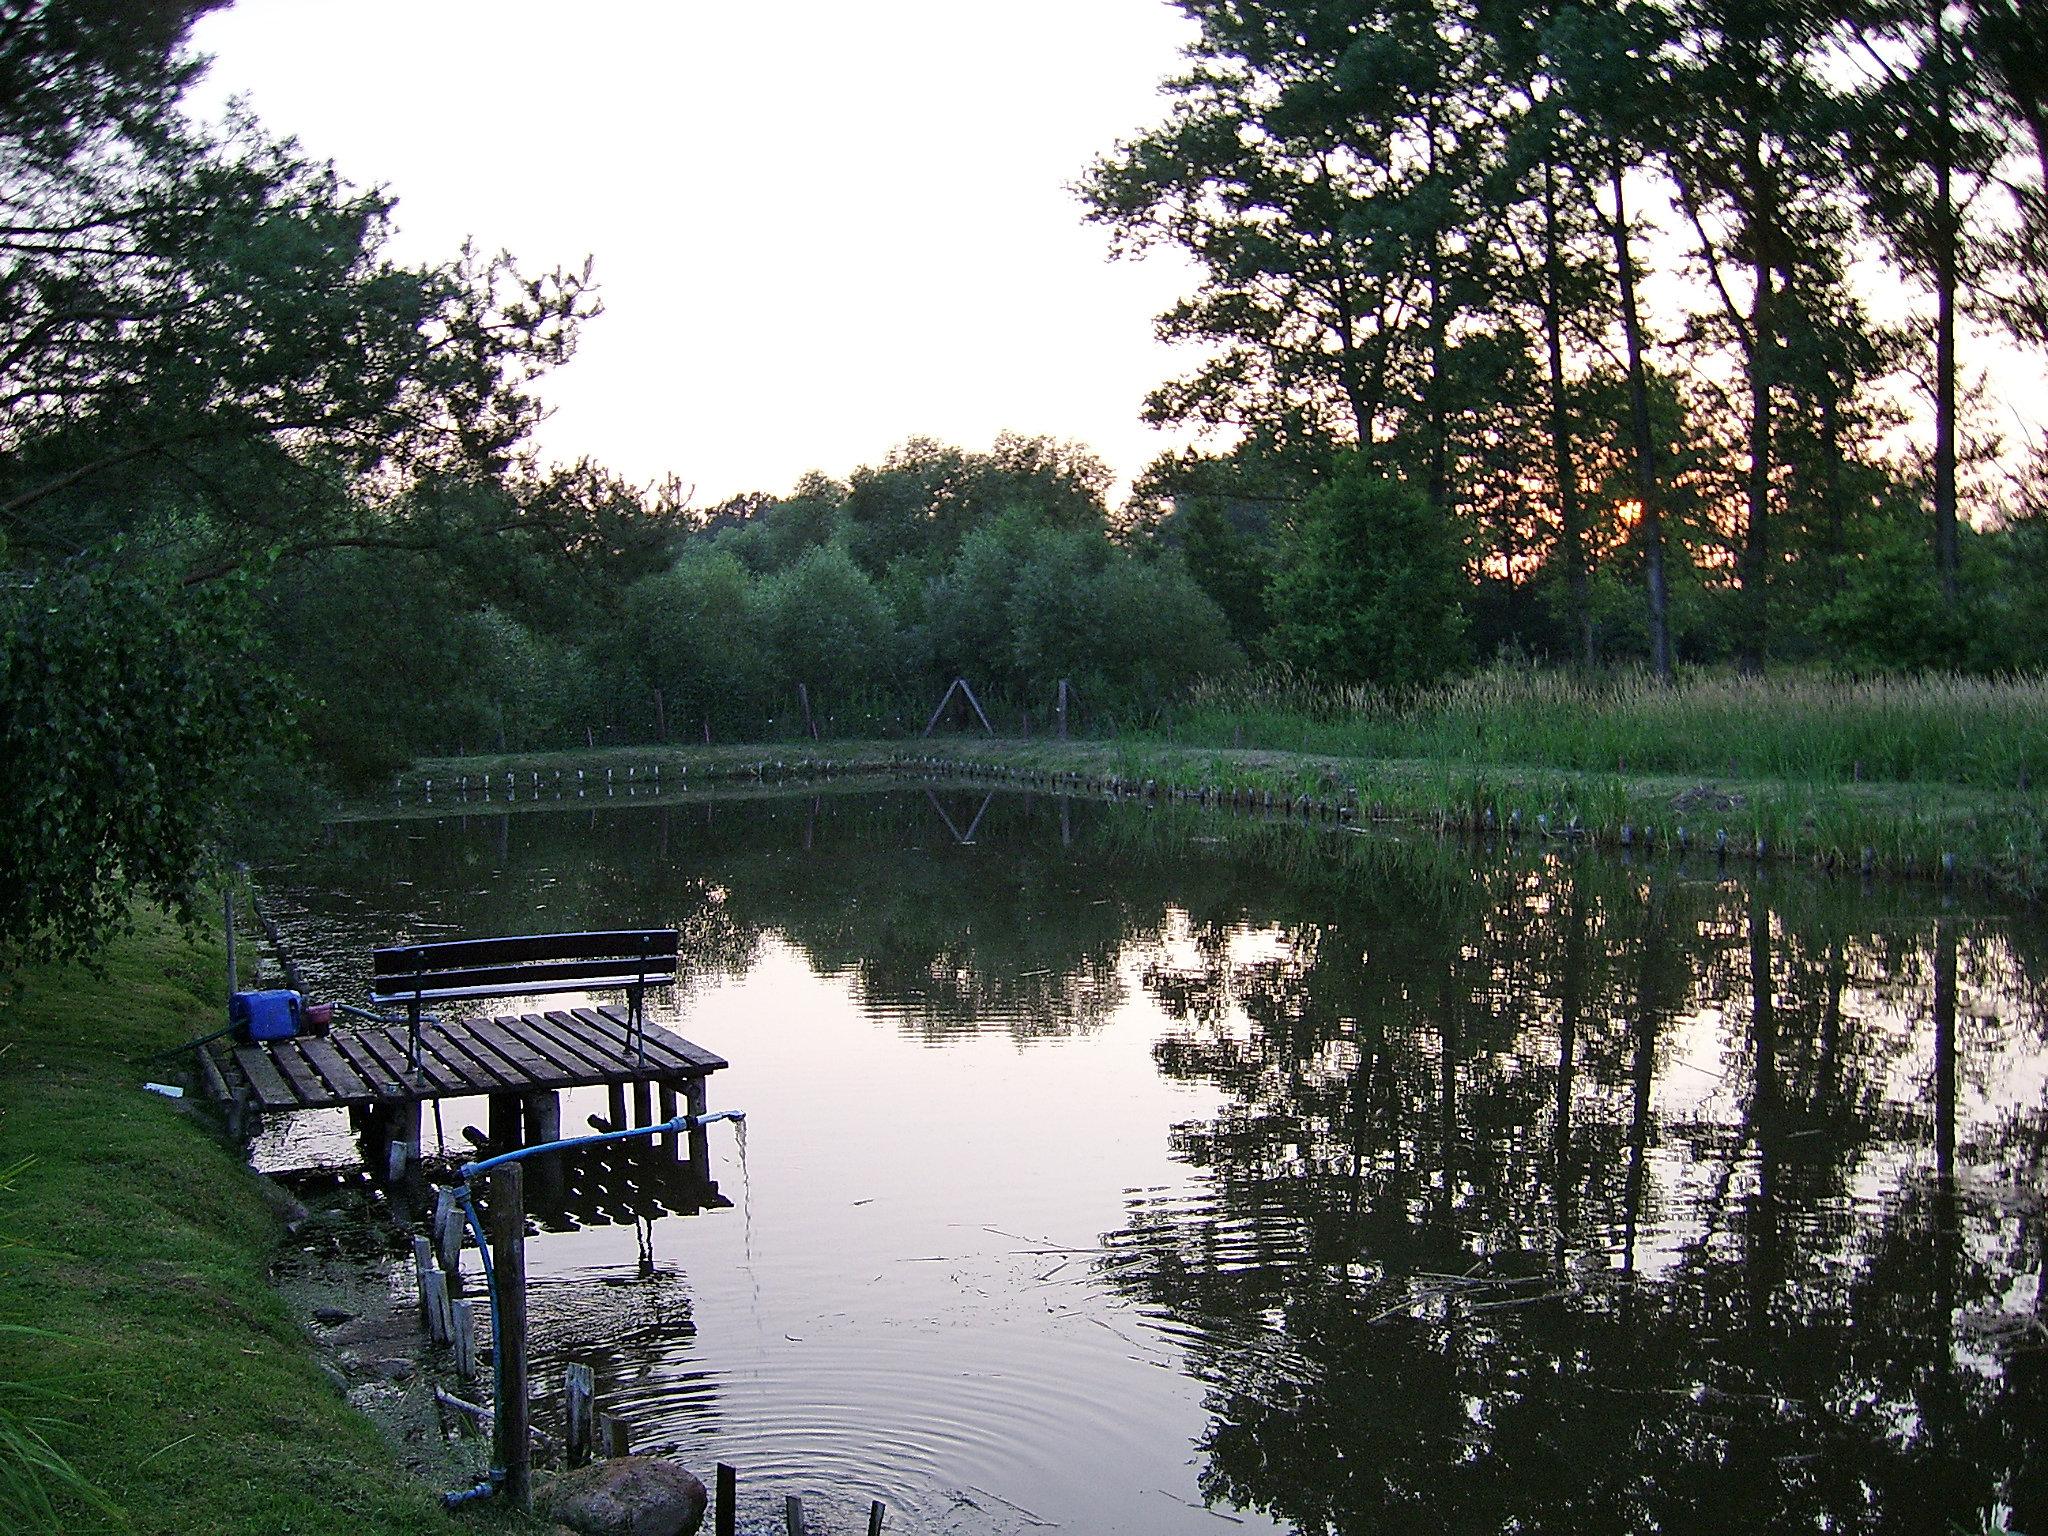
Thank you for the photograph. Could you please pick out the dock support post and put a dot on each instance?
(504, 1122)
(728, 1493)
(672, 1142)
(643, 1103)
(542, 1112)
(405, 1130)
(700, 1139)
(511, 1446)
(615, 1105)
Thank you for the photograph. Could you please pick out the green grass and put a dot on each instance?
(1901, 773)
(164, 1370)
(1972, 731)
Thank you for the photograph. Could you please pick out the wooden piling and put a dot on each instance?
(463, 1315)
(877, 1511)
(504, 1121)
(700, 1139)
(613, 1436)
(578, 1390)
(793, 1515)
(448, 1226)
(511, 1447)
(727, 1516)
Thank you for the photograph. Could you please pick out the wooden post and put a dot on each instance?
(615, 1105)
(700, 1139)
(668, 1112)
(614, 1438)
(542, 1111)
(440, 1310)
(511, 1448)
(876, 1512)
(464, 1317)
(504, 1121)
(643, 1103)
(793, 1515)
(578, 1387)
(728, 1481)
(448, 1233)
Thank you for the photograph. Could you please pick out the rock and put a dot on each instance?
(630, 1496)
(329, 1316)
(397, 1368)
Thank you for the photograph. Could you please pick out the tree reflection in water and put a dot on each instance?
(1548, 1193)
(1595, 1200)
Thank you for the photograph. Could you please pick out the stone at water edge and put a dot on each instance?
(629, 1496)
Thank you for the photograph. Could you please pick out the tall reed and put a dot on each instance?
(1943, 728)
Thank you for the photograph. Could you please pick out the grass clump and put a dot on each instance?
(156, 1382)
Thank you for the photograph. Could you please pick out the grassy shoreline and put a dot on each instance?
(173, 1378)
(1996, 838)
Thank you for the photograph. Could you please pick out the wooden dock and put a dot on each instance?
(519, 1062)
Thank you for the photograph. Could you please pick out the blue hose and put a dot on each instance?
(682, 1123)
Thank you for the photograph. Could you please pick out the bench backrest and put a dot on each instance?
(632, 959)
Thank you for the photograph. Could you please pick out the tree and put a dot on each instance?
(1756, 164)
(1369, 590)
(207, 360)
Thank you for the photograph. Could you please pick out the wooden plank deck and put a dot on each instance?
(509, 1054)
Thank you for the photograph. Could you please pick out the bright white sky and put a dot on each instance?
(820, 226)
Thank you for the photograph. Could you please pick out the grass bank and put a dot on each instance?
(1857, 818)
(162, 1368)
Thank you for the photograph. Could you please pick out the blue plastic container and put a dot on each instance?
(270, 1015)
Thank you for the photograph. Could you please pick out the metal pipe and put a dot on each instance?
(681, 1124)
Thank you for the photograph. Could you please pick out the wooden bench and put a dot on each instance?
(412, 976)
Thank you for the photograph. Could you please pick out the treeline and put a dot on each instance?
(1664, 310)
(859, 600)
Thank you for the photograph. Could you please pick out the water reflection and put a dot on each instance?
(1524, 1191)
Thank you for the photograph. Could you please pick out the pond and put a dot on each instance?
(1153, 1171)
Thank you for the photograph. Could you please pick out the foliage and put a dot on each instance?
(1370, 588)
(214, 366)
(127, 703)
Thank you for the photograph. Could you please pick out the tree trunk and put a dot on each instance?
(1651, 528)
(1946, 552)
(1754, 562)
(1570, 517)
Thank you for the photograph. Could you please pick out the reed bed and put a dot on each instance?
(1986, 732)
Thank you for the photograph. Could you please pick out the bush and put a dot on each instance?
(1369, 592)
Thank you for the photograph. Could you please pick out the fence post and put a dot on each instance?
(511, 1447)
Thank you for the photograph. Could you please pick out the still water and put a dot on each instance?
(1145, 1171)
